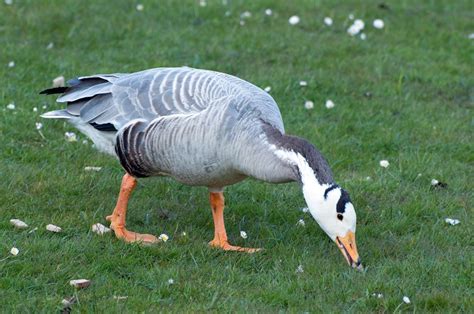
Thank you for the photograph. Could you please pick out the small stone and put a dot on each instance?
(14, 251)
(299, 269)
(384, 163)
(53, 228)
(378, 23)
(170, 281)
(163, 237)
(100, 229)
(452, 222)
(59, 81)
(17, 223)
(92, 168)
(301, 223)
(268, 12)
(39, 125)
(303, 83)
(295, 19)
(11, 64)
(80, 283)
(329, 104)
(328, 21)
(309, 104)
(140, 7)
(11, 106)
(267, 89)
(70, 136)
(434, 182)
(243, 234)
(406, 300)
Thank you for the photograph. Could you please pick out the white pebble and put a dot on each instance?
(163, 237)
(11, 64)
(301, 223)
(70, 137)
(50, 46)
(329, 104)
(299, 269)
(170, 281)
(14, 251)
(452, 222)
(309, 104)
(59, 81)
(295, 19)
(11, 106)
(245, 15)
(18, 223)
(202, 3)
(268, 12)
(243, 234)
(406, 300)
(434, 182)
(8, 2)
(92, 168)
(80, 283)
(303, 83)
(53, 228)
(35, 109)
(267, 89)
(328, 21)
(39, 125)
(378, 23)
(100, 229)
(363, 36)
(140, 7)
(384, 163)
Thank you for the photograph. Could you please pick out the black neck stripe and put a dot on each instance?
(329, 189)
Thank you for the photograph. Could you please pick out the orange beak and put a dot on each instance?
(348, 247)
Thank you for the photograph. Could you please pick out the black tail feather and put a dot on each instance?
(54, 90)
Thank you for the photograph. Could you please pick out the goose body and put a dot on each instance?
(202, 128)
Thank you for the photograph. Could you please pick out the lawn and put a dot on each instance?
(405, 94)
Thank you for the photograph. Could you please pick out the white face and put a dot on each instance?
(324, 211)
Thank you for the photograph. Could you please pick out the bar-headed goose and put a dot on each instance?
(202, 128)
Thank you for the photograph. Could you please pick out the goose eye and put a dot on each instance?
(340, 217)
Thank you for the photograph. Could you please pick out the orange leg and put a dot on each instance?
(220, 235)
(117, 219)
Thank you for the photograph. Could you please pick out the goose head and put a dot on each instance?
(329, 204)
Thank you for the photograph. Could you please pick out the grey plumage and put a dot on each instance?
(200, 127)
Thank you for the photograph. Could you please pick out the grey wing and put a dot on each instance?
(116, 99)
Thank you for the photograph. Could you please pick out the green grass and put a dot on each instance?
(419, 72)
